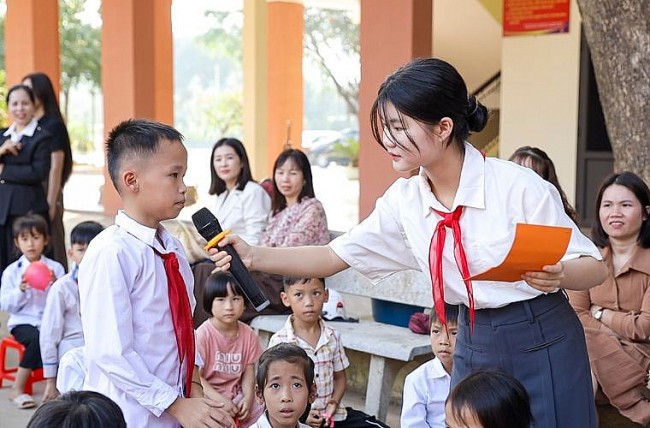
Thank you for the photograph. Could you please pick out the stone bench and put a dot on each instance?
(389, 347)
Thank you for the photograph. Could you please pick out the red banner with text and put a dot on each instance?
(531, 17)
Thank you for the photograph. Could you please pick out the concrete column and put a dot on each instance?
(285, 93)
(32, 39)
(256, 86)
(137, 76)
(392, 33)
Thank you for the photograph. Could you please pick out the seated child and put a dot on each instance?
(285, 384)
(229, 349)
(61, 328)
(427, 387)
(306, 328)
(78, 409)
(136, 289)
(24, 303)
(488, 399)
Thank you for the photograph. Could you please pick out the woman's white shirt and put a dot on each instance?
(245, 212)
(496, 194)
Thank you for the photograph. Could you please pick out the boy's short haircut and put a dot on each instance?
(85, 232)
(29, 223)
(78, 409)
(217, 286)
(451, 315)
(287, 352)
(138, 138)
(288, 281)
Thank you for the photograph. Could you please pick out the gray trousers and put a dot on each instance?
(541, 343)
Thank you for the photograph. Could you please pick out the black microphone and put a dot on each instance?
(208, 226)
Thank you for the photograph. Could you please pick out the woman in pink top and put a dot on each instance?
(229, 349)
(297, 217)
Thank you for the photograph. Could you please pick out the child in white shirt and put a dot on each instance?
(24, 303)
(61, 328)
(136, 289)
(426, 388)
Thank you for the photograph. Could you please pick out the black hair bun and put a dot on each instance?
(477, 114)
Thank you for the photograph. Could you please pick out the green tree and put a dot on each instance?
(80, 49)
(224, 39)
(332, 39)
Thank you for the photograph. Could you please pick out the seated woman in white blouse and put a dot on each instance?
(242, 205)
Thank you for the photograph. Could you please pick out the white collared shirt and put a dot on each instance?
(425, 391)
(25, 307)
(496, 194)
(263, 422)
(131, 353)
(61, 328)
(27, 131)
(244, 212)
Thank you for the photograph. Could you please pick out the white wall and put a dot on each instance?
(539, 97)
(467, 36)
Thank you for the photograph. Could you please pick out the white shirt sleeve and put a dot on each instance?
(52, 328)
(12, 299)
(105, 301)
(256, 205)
(377, 247)
(414, 405)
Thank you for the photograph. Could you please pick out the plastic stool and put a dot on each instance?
(8, 373)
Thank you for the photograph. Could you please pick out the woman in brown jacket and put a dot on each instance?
(616, 314)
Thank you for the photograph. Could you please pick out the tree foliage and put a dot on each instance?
(332, 40)
(618, 36)
(224, 39)
(80, 49)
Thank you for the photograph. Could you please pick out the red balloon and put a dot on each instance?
(38, 275)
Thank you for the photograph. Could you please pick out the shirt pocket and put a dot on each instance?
(489, 252)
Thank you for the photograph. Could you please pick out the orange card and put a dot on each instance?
(534, 246)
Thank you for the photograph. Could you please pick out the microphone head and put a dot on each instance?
(206, 223)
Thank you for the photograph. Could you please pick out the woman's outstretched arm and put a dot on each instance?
(308, 261)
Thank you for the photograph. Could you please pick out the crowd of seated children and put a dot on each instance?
(24, 303)
(306, 328)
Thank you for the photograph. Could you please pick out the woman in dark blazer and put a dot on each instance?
(25, 150)
(48, 114)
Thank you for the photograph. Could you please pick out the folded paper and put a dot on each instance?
(534, 247)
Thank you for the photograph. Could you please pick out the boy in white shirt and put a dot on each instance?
(61, 326)
(427, 387)
(136, 289)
